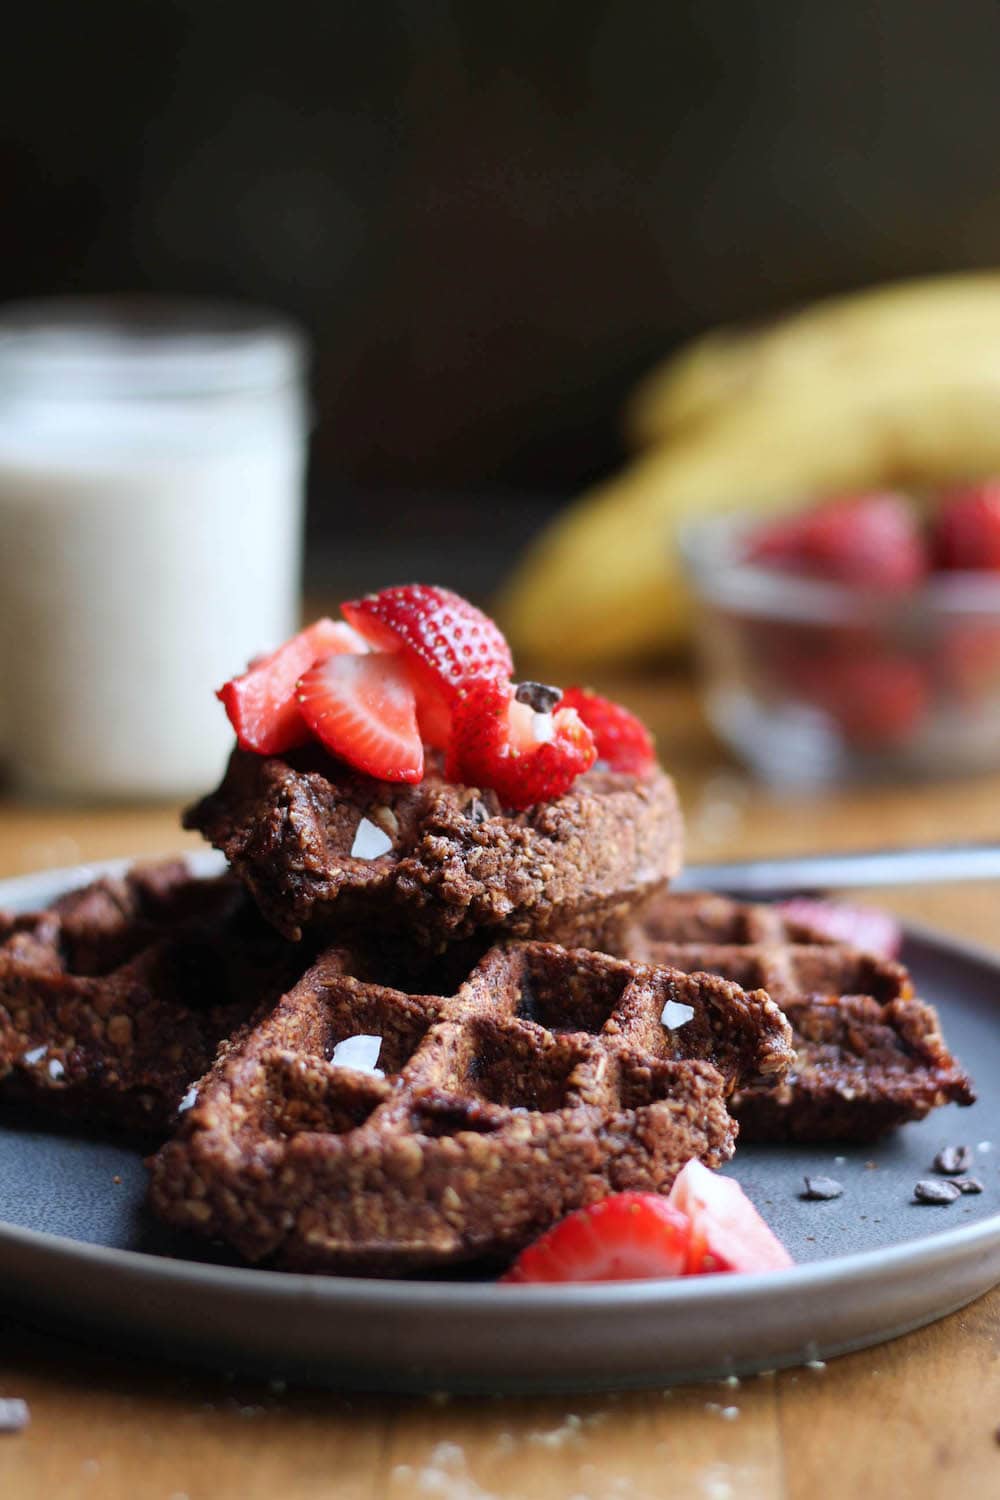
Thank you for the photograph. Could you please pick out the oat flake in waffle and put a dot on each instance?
(546, 1082)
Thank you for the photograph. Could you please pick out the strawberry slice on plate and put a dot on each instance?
(622, 739)
(261, 704)
(446, 641)
(363, 708)
(727, 1232)
(627, 1237)
(864, 927)
(526, 756)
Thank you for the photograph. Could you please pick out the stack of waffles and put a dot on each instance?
(474, 1041)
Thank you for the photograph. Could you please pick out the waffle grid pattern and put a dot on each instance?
(112, 1001)
(869, 1055)
(546, 1081)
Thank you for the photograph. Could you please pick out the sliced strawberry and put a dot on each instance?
(727, 1232)
(627, 1237)
(967, 531)
(870, 540)
(261, 704)
(433, 713)
(864, 927)
(622, 740)
(525, 756)
(448, 642)
(363, 709)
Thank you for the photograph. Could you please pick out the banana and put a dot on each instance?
(895, 324)
(604, 582)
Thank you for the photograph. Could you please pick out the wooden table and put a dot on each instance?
(917, 1417)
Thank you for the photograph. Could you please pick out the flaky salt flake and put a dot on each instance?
(675, 1014)
(370, 841)
(359, 1053)
(35, 1055)
(189, 1100)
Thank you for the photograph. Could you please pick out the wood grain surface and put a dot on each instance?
(915, 1418)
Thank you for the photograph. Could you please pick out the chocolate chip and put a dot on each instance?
(953, 1160)
(935, 1192)
(14, 1414)
(821, 1189)
(968, 1184)
(538, 696)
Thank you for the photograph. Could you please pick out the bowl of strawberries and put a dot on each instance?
(857, 636)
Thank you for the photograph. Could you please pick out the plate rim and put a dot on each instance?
(963, 1242)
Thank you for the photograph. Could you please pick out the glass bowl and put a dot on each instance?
(812, 682)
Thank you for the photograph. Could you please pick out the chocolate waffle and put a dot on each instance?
(869, 1055)
(322, 847)
(114, 999)
(548, 1080)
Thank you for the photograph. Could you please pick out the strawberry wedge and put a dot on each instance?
(524, 755)
(706, 1224)
(627, 1237)
(727, 1232)
(864, 927)
(446, 641)
(623, 741)
(363, 708)
(261, 704)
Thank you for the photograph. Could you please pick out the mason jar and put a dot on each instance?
(152, 458)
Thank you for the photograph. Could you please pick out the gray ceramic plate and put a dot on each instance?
(78, 1251)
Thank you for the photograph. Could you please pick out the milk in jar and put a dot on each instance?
(151, 483)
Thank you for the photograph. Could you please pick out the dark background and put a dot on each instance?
(493, 217)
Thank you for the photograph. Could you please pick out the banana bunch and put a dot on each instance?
(895, 385)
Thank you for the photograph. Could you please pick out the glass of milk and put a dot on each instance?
(152, 459)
